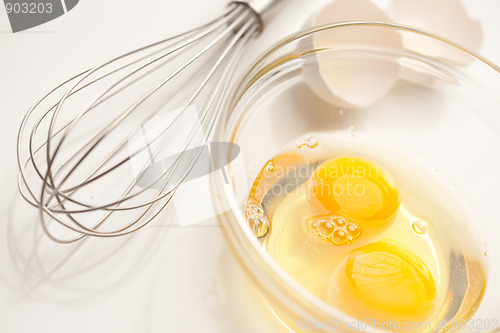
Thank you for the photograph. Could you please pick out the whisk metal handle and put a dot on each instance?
(260, 7)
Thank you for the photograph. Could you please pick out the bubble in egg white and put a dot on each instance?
(254, 210)
(420, 226)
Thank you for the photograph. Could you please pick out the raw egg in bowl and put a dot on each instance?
(362, 209)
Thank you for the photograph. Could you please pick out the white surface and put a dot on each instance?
(162, 279)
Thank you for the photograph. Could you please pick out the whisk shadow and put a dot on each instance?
(42, 269)
(240, 293)
(210, 282)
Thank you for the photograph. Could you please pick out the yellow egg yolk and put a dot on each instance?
(354, 189)
(385, 279)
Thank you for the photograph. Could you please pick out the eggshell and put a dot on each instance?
(447, 18)
(358, 72)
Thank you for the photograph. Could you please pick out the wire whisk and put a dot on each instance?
(86, 150)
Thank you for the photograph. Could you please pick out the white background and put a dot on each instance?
(162, 279)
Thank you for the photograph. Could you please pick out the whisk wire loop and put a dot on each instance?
(85, 150)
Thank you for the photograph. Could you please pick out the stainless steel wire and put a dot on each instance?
(84, 167)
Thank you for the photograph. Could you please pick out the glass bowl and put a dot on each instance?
(407, 87)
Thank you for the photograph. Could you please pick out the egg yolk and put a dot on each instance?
(272, 172)
(386, 279)
(356, 189)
